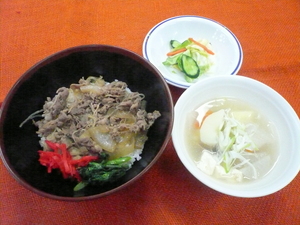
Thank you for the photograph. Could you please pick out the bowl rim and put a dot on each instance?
(180, 17)
(54, 57)
(183, 156)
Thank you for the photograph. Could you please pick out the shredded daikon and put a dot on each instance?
(234, 144)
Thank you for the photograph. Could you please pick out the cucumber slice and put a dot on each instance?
(188, 79)
(179, 62)
(174, 43)
(190, 66)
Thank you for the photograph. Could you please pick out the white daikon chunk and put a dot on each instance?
(243, 116)
(210, 128)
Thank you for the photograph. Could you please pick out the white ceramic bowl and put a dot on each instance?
(228, 51)
(268, 102)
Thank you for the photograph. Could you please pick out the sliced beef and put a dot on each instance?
(68, 117)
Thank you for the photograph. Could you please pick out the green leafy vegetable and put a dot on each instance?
(104, 171)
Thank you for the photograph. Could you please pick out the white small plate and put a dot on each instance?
(227, 48)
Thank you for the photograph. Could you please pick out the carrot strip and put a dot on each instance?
(202, 46)
(198, 124)
(176, 51)
(248, 150)
(206, 115)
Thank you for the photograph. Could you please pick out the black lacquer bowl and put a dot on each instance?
(19, 146)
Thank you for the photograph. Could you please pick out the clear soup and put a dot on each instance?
(249, 164)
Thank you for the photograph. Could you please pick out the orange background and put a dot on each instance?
(269, 32)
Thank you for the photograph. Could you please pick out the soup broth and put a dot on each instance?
(238, 165)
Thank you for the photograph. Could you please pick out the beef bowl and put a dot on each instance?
(85, 106)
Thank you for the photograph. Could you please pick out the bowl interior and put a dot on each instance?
(156, 45)
(269, 103)
(20, 145)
